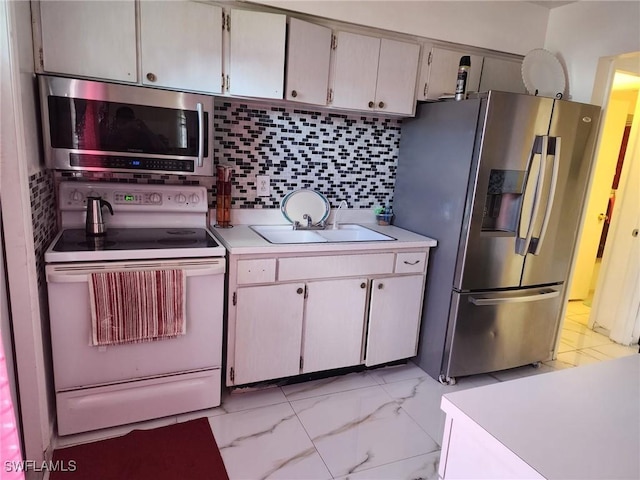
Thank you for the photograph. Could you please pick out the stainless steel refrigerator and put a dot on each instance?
(500, 182)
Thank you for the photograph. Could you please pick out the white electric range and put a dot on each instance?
(153, 228)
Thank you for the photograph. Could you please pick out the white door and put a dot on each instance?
(397, 73)
(90, 39)
(268, 332)
(616, 304)
(257, 52)
(181, 45)
(443, 73)
(334, 324)
(355, 71)
(605, 169)
(394, 318)
(308, 56)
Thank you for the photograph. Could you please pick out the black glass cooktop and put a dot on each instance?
(76, 240)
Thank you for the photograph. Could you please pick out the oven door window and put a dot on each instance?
(117, 127)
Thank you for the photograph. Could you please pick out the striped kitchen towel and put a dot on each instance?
(137, 306)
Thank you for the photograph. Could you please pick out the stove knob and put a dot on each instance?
(76, 196)
(180, 198)
(155, 198)
(194, 198)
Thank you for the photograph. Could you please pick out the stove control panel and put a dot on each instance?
(143, 197)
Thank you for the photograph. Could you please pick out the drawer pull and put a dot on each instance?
(411, 263)
(371, 104)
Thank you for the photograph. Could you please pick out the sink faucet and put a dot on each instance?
(343, 203)
(307, 217)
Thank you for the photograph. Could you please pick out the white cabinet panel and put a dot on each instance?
(501, 74)
(334, 324)
(308, 58)
(91, 39)
(442, 72)
(261, 270)
(394, 318)
(256, 57)
(355, 71)
(268, 332)
(397, 73)
(181, 45)
(302, 268)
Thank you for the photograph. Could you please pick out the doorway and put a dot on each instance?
(591, 289)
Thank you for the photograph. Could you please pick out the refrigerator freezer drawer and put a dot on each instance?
(499, 330)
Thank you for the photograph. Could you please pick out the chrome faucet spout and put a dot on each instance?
(336, 225)
(307, 217)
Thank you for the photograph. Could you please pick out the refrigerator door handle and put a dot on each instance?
(485, 301)
(524, 247)
(552, 194)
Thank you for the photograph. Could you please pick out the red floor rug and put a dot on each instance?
(181, 451)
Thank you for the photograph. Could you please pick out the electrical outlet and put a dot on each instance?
(263, 184)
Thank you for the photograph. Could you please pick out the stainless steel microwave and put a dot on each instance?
(101, 126)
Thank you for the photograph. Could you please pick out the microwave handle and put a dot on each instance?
(200, 134)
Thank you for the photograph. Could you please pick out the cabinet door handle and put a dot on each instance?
(371, 104)
(363, 285)
(411, 263)
(151, 77)
(300, 291)
(381, 105)
(424, 92)
(294, 94)
(380, 286)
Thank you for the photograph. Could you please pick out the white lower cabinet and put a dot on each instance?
(367, 312)
(333, 324)
(394, 318)
(268, 328)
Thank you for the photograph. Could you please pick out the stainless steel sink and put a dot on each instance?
(345, 233)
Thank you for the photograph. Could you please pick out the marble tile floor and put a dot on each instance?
(378, 424)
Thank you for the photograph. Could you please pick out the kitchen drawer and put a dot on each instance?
(303, 268)
(412, 262)
(256, 271)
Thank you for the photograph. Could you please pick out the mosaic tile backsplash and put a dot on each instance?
(343, 156)
(43, 217)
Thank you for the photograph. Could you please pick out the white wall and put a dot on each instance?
(582, 32)
(507, 26)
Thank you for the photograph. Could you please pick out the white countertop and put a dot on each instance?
(577, 423)
(241, 239)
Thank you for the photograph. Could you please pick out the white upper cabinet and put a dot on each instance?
(439, 73)
(89, 39)
(397, 72)
(502, 74)
(257, 53)
(374, 74)
(355, 71)
(181, 45)
(308, 59)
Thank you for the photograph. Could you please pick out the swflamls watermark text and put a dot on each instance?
(44, 466)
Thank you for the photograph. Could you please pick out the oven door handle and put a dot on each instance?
(84, 276)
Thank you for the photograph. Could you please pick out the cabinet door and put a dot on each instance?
(256, 56)
(334, 324)
(394, 318)
(308, 55)
(181, 45)
(90, 39)
(268, 332)
(443, 72)
(502, 74)
(355, 71)
(397, 73)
